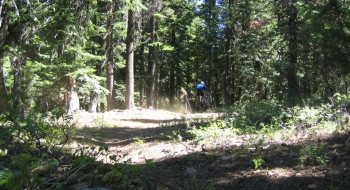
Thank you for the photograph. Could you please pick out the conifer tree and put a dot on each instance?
(111, 102)
(129, 96)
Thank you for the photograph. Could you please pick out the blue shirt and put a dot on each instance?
(201, 86)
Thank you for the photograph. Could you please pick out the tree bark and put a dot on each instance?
(172, 70)
(143, 82)
(129, 97)
(16, 64)
(290, 70)
(111, 102)
(143, 72)
(93, 104)
(163, 86)
(3, 34)
(72, 96)
(3, 90)
(92, 107)
(152, 59)
(228, 64)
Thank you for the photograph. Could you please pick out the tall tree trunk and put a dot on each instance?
(261, 87)
(111, 102)
(172, 70)
(228, 63)
(29, 81)
(163, 87)
(92, 107)
(142, 68)
(72, 96)
(279, 68)
(290, 70)
(3, 34)
(3, 90)
(129, 97)
(16, 64)
(210, 77)
(142, 73)
(152, 67)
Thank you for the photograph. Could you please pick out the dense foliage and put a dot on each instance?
(73, 53)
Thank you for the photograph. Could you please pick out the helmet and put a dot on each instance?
(202, 82)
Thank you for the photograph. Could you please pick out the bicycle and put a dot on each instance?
(200, 104)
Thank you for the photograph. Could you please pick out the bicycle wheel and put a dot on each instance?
(200, 104)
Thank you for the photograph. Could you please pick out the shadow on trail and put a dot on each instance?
(122, 136)
(232, 168)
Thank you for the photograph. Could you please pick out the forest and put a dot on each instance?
(270, 66)
(104, 55)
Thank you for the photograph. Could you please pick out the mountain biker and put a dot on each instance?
(201, 90)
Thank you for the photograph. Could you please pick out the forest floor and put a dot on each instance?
(183, 161)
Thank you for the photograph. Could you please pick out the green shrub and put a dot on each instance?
(313, 155)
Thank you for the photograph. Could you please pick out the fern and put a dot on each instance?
(8, 180)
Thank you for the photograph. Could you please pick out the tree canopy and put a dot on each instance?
(102, 55)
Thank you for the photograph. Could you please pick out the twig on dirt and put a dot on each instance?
(187, 148)
(77, 171)
(70, 162)
(64, 142)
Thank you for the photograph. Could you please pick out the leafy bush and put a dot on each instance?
(120, 172)
(276, 120)
(257, 162)
(37, 153)
(256, 113)
(33, 144)
(313, 155)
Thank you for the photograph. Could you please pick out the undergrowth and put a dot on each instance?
(38, 152)
(275, 119)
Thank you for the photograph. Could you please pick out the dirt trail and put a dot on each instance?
(154, 134)
(140, 133)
